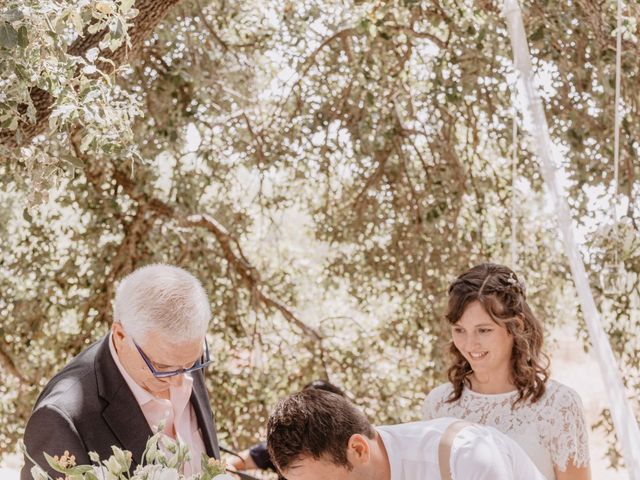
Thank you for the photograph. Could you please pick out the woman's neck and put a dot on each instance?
(491, 382)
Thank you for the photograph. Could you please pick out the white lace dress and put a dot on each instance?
(551, 431)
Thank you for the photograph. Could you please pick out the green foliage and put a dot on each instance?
(35, 55)
(326, 168)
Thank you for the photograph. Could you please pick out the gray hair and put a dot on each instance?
(165, 299)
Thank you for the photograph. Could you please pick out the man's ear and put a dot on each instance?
(358, 450)
(118, 332)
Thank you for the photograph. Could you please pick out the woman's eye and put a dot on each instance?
(485, 330)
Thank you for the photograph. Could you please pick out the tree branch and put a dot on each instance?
(230, 248)
(7, 361)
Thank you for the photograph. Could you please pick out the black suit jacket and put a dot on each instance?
(88, 406)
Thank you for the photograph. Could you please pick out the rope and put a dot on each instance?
(514, 173)
(535, 122)
(616, 133)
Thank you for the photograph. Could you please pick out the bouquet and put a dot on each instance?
(163, 459)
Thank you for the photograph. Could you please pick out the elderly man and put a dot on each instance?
(316, 435)
(147, 371)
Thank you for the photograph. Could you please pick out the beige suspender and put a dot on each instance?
(444, 447)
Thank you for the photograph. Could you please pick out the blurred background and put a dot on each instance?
(326, 168)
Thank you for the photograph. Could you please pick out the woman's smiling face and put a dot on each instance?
(486, 345)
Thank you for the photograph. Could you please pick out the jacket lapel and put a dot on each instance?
(202, 408)
(122, 412)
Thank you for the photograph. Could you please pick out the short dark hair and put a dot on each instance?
(324, 385)
(315, 423)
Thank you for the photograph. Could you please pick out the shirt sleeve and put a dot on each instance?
(49, 430)
(427, 412)
(481, 453)
(568, 438)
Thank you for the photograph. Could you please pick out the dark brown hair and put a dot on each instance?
(503, 296)
(324, 385)
(314, 423)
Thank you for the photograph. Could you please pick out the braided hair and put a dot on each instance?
(503, 296)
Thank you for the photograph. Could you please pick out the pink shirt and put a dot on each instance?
(176, 412)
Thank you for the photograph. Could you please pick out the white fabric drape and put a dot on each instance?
(535, 123)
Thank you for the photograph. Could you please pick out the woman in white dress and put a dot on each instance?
(499, 375)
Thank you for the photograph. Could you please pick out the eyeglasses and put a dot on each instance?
(202, 362)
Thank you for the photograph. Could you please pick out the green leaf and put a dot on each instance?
(13, 15)
(31, 111)
(21, 72)
(538, 34)
(92, 54)
(79, 470)
(38, 473)
(8, 36)
(95, 27)
(78, 25)
(78, 163)
(89, 70)
(53, 463)
(125, 5)
(23, 37)
(84, 145)
(482, 34)
(27, 216)
(371, 99)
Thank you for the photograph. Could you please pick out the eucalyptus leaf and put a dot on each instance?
(26, 215)
(8, 35)
(53, 463)
(12, 15)
(23, 36)
(126, 5)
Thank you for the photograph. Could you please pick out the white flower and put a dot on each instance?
(167, 474)
(148, 472)
(103, 473)
(114, 465)
(223, 476)
(105, 7)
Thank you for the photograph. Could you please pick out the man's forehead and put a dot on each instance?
(299, 462)
(162, 350)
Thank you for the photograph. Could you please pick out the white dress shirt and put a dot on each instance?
(176, 413)
(478, 453)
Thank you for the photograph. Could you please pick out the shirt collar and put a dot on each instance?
(395, 465)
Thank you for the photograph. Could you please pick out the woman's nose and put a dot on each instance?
(473, 340)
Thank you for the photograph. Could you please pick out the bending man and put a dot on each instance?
(316, 435)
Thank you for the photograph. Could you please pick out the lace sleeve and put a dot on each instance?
(568, 438)
(433, 403)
